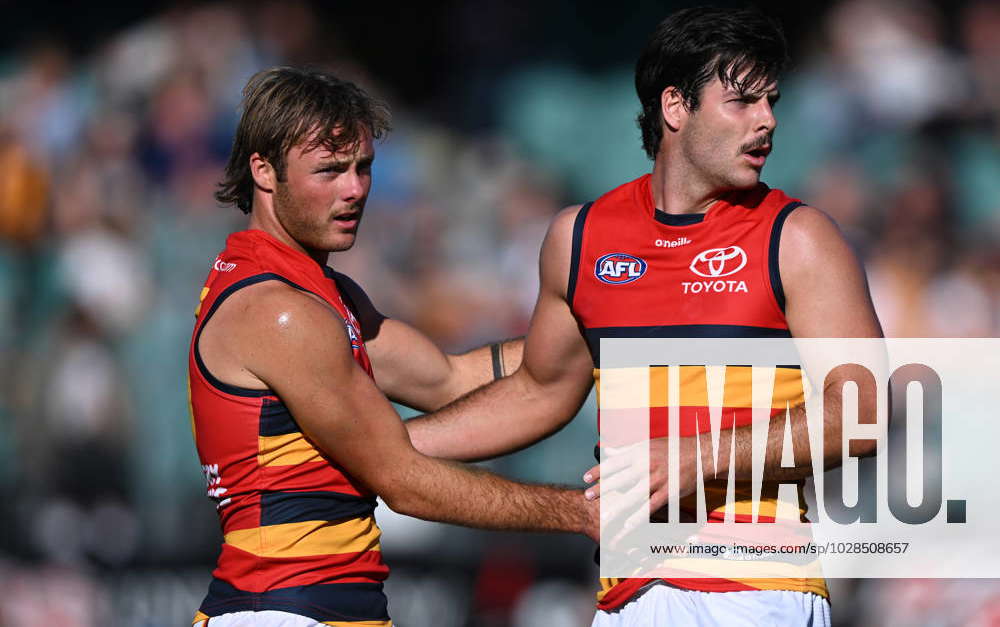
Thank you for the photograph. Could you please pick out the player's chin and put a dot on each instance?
(746, 178)
(345, 242)
(340, 242)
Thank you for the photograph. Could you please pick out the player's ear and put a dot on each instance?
(262, 172)
(673, 108)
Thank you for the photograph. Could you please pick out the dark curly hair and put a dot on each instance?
(742, 47)
(281, 107)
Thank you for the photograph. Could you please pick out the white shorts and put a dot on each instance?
(663, 604)
(274, 618)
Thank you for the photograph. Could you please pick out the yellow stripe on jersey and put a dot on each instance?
(596, 373)
(658, 386)
(738, 390)
(814, 585)
(788, 387)
(201, 299)
(286, 450)
(305, 539)
(622, 388)
(743, 501)
(198, 617)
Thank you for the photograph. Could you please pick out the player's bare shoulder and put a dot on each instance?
(825, 287)
(557, 250)
(810, 242)
(807, 225)
(262, 327)
(289, 316)
(561, 227)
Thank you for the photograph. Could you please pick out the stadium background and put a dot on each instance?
(115, 121)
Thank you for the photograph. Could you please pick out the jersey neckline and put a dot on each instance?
(297, 255)
(689, 220)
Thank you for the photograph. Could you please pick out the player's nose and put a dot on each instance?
(766, 121)
(355, 186)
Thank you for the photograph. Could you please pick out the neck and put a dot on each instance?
(262, 218)
(678, 189)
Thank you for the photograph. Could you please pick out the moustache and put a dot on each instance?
(759, 142)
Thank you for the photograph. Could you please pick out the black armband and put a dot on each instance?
(496, 350)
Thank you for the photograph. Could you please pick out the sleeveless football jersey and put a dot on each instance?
(639, 272)
(299, 532)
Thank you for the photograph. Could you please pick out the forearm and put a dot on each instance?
(466, 495)
(802, 467)
(742, 458)
(505, 416)
(482, 365)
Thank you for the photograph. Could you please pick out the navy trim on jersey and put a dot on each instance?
(574, 259)
(772, 252)
(678, 219)
(226, 293)
(593, 336)
(275, 419)
(353, 601)
(278, 508)
(345, 295)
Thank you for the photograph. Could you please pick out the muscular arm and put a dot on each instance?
(826, 295)
(295, 344)
(412, 370)
(541, 396)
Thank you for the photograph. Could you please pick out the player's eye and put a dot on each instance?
(337, 168)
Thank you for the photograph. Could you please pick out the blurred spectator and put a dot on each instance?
(979, 24)
(892, 63)
(23, 191)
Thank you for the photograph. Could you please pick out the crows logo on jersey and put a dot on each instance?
(619, 268)
(353, 329)
(352, 333)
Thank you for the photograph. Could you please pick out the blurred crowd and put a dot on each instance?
(889, 121)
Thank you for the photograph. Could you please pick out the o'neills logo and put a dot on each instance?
(223, 266)
(715, 263)
(672, 243)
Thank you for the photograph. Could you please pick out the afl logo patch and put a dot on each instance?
(717, 262)
(619, 268)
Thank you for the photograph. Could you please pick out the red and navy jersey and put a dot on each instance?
(299, 532)
(639, 272)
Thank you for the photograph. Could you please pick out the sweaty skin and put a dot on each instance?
(272, 336)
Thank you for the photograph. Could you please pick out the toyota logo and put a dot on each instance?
(716, 262)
